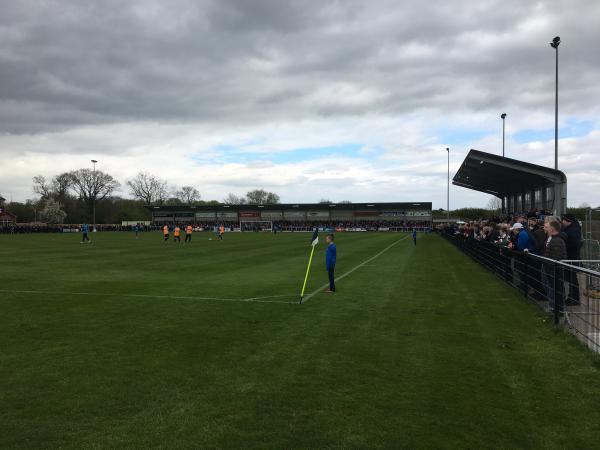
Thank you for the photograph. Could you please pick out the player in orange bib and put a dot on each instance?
(188, 234)
(177, 235)
(221, 232)
(166, 232)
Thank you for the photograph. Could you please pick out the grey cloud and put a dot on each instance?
(70, 63)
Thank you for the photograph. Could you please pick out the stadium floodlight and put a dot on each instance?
(503, 117)
(94, 200)
(448, 189)
(554, 44)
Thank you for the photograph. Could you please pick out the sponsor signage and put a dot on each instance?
(392, 213)
(342, 214)
(227, 215)
(366, 213)
(317, 214)
(271, 215)
(246, 214)
(294, 215)
(206, 215)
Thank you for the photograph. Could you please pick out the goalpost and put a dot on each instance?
(256, 225)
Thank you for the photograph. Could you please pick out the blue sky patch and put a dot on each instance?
(233, 154)
(573, 128)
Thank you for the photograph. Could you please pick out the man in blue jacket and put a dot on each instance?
(330, 260)
(84, 230)
(524, 242)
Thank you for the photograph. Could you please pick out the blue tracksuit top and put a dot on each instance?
(330, 256)
(523, 242)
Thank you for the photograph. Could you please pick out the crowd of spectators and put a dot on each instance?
(288, 225)
(229, 225)
(535, 233)
(62, 228)
(26, 228)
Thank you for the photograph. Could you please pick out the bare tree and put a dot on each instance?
(92, 185)
(344, 202)
(494, 204)
(188, 195)
(148, 188)
(42, 187)
(61, 185)
(262, 197)
(233, 199)
(173, 201)
(325, 201)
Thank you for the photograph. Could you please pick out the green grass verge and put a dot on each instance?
(420, 348)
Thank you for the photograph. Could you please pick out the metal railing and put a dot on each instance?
(569, 291)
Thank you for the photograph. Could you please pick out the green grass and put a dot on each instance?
(419, 348)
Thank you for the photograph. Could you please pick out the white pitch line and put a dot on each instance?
(312, 294)
(177, 297)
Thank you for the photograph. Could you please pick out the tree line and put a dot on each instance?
(70, 197)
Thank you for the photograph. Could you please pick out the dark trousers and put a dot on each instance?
(571, 278)
(331, 271)
(188, 238)
(85, 237)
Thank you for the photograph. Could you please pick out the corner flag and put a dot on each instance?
(315, 238)
(313, 242)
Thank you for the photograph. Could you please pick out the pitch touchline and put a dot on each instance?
(312, 294)
(264, 299)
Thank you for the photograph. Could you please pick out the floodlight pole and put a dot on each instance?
(554, 44)
(94, 200)
(448, 188)
(503, 117)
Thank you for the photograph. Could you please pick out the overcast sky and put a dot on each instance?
(344, 100)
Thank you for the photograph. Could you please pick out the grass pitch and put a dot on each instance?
(139, 344)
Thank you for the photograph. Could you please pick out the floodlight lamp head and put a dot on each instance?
(503, 116)
(555, 42)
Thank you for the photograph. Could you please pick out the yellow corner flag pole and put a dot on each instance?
(307, 270)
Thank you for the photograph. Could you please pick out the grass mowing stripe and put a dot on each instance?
(316, 291)
(176, 297)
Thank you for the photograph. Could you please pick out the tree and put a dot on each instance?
(173, 201)
(233, 199)
(324, 201)
(494, 204)
(60, 186)
(188, 195)
(148, 188)
(262, 197)
(53, 213)
(344, 202)
(92, 186)
(42, 187)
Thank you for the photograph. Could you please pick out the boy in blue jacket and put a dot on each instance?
(330, 260)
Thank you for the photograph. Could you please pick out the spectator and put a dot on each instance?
(572, 230)
(524, 244)
(555, 248)
(538, 233)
